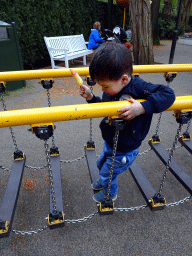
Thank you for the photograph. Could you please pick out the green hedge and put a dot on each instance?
(167, 28)
(35, 19)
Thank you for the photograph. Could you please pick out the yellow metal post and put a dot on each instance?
(36, 116)
(38, 74)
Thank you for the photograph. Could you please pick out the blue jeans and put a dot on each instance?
(122, 163)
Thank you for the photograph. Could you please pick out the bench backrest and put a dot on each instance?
(73, 43)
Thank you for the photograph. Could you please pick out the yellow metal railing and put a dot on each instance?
(53, 73)
(47, 115)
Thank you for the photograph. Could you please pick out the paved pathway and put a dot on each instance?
(138, 232)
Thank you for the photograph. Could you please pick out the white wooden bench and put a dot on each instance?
(65, 48)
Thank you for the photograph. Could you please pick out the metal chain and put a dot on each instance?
(19, 232)
(180, 201)
(158, 123)
(78, 159)
(49, 105)
(48, 98)
(35, 168)
(160, 116)
(74, 160)
(145, 152)
(50, 177)
(83, 219)
(112, 163)
(43, 167)
(130, 209)
(188, 125)
(13, 137)
(170, 158)
(74, 221)
(10, 128)
(5, 169)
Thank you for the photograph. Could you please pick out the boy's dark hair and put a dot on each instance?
(110, 61)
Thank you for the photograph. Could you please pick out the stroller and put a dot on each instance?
(119, 35)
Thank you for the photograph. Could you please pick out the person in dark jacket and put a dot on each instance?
(94, 39)
(111, 67)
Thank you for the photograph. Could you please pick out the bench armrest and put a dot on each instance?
(56, 49)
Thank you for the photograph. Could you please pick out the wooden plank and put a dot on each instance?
(9, 202)
(187, 144)
(175, 169)
(56, 172)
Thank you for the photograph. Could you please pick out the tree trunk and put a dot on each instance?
(109, 14)
(140, 16)
(154, 19)
(167, 9)
(186, 12)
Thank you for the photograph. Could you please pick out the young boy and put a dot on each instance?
(111, 68)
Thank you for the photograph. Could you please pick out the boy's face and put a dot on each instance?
(112, 87)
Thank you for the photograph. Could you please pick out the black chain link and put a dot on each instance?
(160, 116)
(10, 128)
(158, 124)
(112, 164)
(50, 177)
(170, 158)
(188, 125)
(49, 105)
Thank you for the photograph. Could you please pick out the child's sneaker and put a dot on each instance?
(97, 185)
(102, 195)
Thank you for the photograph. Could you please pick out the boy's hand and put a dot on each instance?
(131, 111)
(85, 92)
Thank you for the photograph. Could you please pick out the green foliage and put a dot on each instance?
(167, 28)
(35, 19)
(188, 28)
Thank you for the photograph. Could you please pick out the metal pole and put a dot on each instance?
(52, 73)
(47, 116)
(175, 34)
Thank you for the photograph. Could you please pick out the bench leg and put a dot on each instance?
(66, 62)
(84, 60)
(52, 64)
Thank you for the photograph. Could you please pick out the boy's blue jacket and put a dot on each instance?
(158, 98)
(94, 39)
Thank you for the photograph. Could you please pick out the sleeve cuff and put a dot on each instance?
(93, 100)
(148, 106)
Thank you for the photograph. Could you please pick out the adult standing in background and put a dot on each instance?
(95, 39)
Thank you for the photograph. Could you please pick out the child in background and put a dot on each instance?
(111, 68)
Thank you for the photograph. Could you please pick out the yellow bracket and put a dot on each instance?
(4, 83)
(154, 141)
(135, 74)
(90, 81)
(55, 154)
(178, 112)
(105, 210)
(3, 231)
(56, 221)
(169, 73)
(87, 77)
(41, 124)
(89, 148)
(184, 138)
(156, 205)
(19, 158)
(46, 79)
